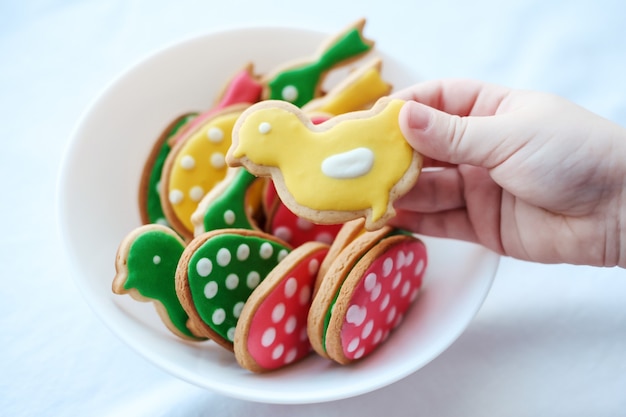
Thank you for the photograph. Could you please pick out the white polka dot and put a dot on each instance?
(215, 134)
(187, 162)
(367, 329)
(376, 292)
(243, 251)
(409, 259)
(305, 295)
(156, 259)
(405, 288)
(356, 314)
(218, 316)
(291, 355)
(278, 352)
(303, 224)
(268, 337)
(282, 254)
(283, 232)
(204, 266)
(278, 312)
(289, 93)
(385, 302)
(387, 267)
(229, 217)
(419, 268)
(266, 250)
(359, 353)
(414, 294)
(398, 320)
(230, 334)
(237, 308)
(162, 221)
(314, 266)
(217, 160)
(232, 280)
(210, 289)
(378, 336)
(223, 257)
(353, 345)
(324, 237)
(400, 259)
(290, 324)
(196, 193)
(291, 286)
(370, 282)
(265, 128)
(176, 196)
(391, 315)
(253, 279)
(159, 187)
(303, 334)
(396, 280)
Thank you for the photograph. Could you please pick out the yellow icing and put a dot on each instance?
(298, 151)
(199, 165)
(356, 95)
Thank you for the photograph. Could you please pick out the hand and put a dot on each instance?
(526, 174)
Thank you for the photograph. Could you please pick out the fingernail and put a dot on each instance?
(419, 116)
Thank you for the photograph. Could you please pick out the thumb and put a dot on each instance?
(450, 138)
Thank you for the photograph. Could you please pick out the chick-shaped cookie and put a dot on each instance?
(145, 267)
(353, 165)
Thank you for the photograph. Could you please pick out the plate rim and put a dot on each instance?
(69, 248)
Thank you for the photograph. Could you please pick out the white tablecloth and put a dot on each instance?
(550, 340)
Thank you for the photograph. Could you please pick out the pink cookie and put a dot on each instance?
(272, 328)
(373, 298)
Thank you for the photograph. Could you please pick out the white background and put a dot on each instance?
(550, 340)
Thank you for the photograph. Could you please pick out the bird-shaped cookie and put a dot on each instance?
(353, 165)
(145, 267)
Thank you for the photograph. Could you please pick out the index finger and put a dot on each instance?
(461, 97)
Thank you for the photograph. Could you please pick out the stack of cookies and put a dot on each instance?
(265, 217)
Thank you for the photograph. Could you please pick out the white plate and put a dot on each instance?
(97, 208)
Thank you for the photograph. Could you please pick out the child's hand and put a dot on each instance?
(526, 174)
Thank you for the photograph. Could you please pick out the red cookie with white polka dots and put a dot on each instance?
(375, 296)
(293, 229)
(272, 328)
(331, 279)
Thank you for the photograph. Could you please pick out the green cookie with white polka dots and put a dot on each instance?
(217, 273)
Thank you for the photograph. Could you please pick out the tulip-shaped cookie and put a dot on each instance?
(353, 165)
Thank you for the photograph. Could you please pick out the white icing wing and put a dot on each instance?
(351, 164)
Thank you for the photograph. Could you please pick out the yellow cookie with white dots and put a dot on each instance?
(194, 166)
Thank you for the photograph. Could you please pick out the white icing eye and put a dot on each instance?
(351, 164)
(290, 93)
(265, 128)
